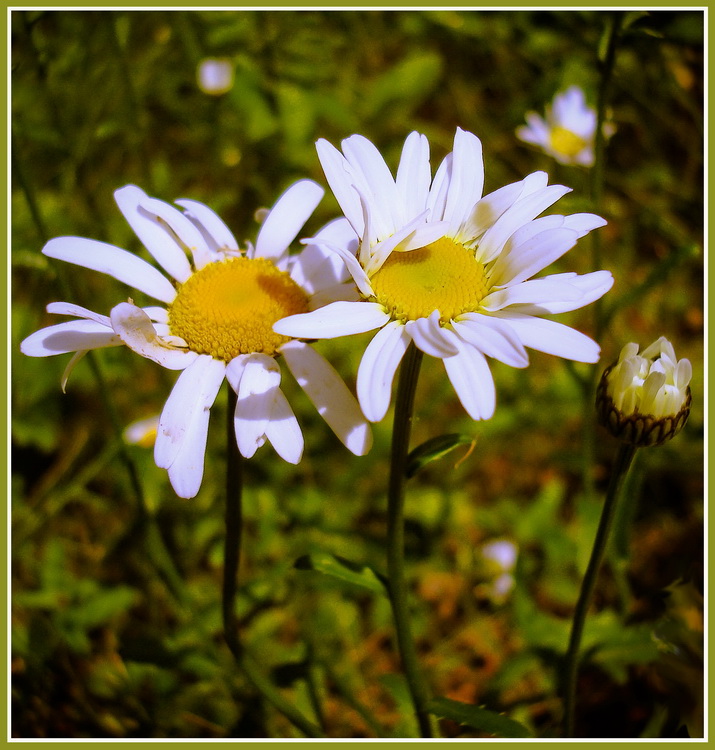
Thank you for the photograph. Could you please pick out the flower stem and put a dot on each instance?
(409, 371)
(622, 464)
(232, 554)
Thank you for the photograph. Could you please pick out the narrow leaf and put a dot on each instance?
(433, 449)
(343, 570)
(478, 718)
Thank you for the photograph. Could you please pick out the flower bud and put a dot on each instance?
(644, 399)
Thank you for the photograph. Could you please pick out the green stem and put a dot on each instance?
(622, 464)
(409, 371)
(232, 554)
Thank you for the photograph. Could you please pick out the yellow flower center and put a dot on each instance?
(442, 276)
(229, 307)
(566, 142)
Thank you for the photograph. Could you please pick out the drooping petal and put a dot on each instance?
(121, 265)
(77, 311)
(217, 233)
(429, 336)
(329, 394)
(377, 369)
(183, 424)
(331, 321)
(136, 330)
(286, 218)
(71, 336)
(153, 235)
(492, 337)
(413, 175)
(551, 337)
(471, 378)
(351, 263)
(283, 431)
(257, 390)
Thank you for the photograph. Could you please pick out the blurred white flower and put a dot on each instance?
(568, 132)
(142, 432)
(644, 399)
(500, 557)
(215, 76)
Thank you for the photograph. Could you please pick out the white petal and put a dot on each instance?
(181, 227)
(213, 225)
(157, 314)
(533, 292)
(523, 211)
(552, 337)
(316, 266)
(234, 370)
(286, 218)
(437, 198)
(467, 179)
(590, 286)
(118, 263)
(256, 395)
(72, 336)
(413, 175)
(492, 337)
(532, 256)
(487, 210)
(331, 321)
(352, 265)
(367, 162)
(283, 430)
(186, 410)
(76, 357)
(584, 223)
(330, 396)
(377, 369)
(135, 329)
(683, 374)
(153, 235)
(346, 292)
(429, 336)
(471, 378)
(424, 235)
(337, 173)
(67, 308)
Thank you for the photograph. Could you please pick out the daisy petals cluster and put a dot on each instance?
(439, 264)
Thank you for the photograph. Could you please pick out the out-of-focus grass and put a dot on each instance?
(106, 641)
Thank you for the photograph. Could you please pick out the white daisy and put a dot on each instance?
(569, 130)
(219, 305)
(439, 265)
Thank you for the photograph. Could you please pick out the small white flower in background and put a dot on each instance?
(441, 266)
(220, 303)
(142, 432)
(644, 399)
(569, 130)
(500, 556)
(215, 76)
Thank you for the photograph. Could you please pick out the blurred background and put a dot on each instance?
(117, 635)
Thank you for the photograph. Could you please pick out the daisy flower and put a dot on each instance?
(219, 305)
(437, 264)
(569, 130)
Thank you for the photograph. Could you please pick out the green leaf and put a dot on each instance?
(343, 570)
(476, 717)
(433, 449)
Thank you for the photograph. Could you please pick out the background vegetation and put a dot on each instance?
(112, 639)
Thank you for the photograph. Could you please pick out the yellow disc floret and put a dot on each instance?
(229, 307)
(565, 142)
(443, 275)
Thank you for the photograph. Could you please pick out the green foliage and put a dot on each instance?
(116, 621)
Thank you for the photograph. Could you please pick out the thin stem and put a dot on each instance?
(622, 464)
(232, 554)
(409, 371)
